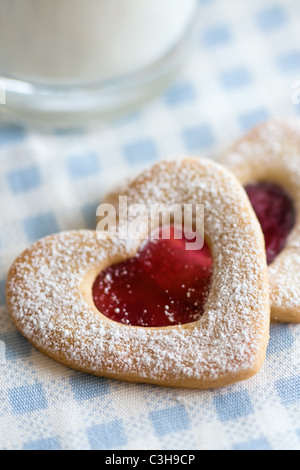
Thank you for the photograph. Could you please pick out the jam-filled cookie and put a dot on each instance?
(72, 294)
(267, 163)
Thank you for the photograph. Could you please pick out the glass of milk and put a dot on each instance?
(74, 61)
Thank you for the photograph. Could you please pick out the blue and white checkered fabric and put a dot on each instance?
(245, 61)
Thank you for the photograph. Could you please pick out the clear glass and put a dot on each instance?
(72, 62)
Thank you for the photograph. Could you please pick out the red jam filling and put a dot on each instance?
(276, 214)
(164, 284)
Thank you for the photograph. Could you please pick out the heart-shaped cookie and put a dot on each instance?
(267, 163)
(49, 291)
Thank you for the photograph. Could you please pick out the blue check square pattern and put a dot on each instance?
(233, 405)
(272, 18)
(163, 420)
(39, 226)
(236, 77)
(27, 399)
(24, 179)
(145, 148)
(83, 165)
(109, 435)
(244, 61)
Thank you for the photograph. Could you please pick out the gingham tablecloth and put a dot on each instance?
(243, 69)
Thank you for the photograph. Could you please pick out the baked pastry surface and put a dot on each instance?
(49, 291)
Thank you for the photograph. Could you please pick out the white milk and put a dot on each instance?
(66, 42)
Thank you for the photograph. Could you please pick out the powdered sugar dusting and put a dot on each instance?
(271, 153)
(227, 342)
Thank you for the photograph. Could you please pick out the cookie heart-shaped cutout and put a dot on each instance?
(164, 284)
(276, 214)
(49, 291)
(268, 156)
